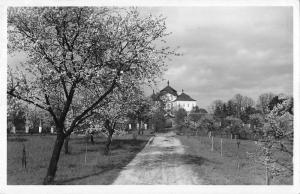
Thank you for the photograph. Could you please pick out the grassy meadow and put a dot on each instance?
(224, 170)
(81, 166)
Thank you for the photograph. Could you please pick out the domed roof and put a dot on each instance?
(170, 90)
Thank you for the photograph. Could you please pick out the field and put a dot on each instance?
(96, 168)
(219, 170)
(72, 168)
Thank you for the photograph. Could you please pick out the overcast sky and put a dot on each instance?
(229, 50)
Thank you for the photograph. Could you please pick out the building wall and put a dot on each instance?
(171, 104)
(168, 99)
(187, 105)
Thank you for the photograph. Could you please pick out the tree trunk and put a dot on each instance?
(111, 128)
(139, 130)
(109, 140)
(54, 159)
(92, 138)
(66, 145)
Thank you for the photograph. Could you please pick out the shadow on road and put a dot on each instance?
(172, 160)
(107, 168)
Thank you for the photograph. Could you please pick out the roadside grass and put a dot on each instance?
(72, 168)
(224, 170)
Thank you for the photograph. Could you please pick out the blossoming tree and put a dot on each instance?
(278, 138)
(78, 56)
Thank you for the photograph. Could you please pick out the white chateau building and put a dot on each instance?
(174, 101)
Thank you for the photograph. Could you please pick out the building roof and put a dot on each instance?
(170, 90)
(184, 97)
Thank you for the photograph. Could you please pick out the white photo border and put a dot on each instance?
(4, 188)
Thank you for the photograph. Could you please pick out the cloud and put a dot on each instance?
(226, 50)
(229, 50)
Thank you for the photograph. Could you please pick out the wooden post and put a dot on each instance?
(24, 160)
(85, 152)
(212, 143)
(221, 147)
(267, 160)
(237, 153)
(267, 176)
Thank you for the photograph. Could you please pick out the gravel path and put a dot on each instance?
(160, 162)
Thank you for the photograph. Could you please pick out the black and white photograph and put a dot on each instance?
(156, 94)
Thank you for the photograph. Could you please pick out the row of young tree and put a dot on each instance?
(237, 116)
(269, 123)
(84, 65)
(242, 115)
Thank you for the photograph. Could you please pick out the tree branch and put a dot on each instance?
(50, 109)
(27, 100)
(93, 105)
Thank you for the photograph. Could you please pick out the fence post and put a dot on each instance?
(267, 176)
(212, 143)
(221, 147)
(237, 153)
(267, 160)
(85, 151)
(24, 160)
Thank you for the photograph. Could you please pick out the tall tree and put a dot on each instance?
(79, 56)
(263, 102)
(217, 108)
(238, 100)
(231, 109)
(247, 102)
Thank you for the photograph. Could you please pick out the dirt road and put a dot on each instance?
(162, 161)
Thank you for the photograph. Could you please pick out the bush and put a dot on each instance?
(158, 120)
(180, 116)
